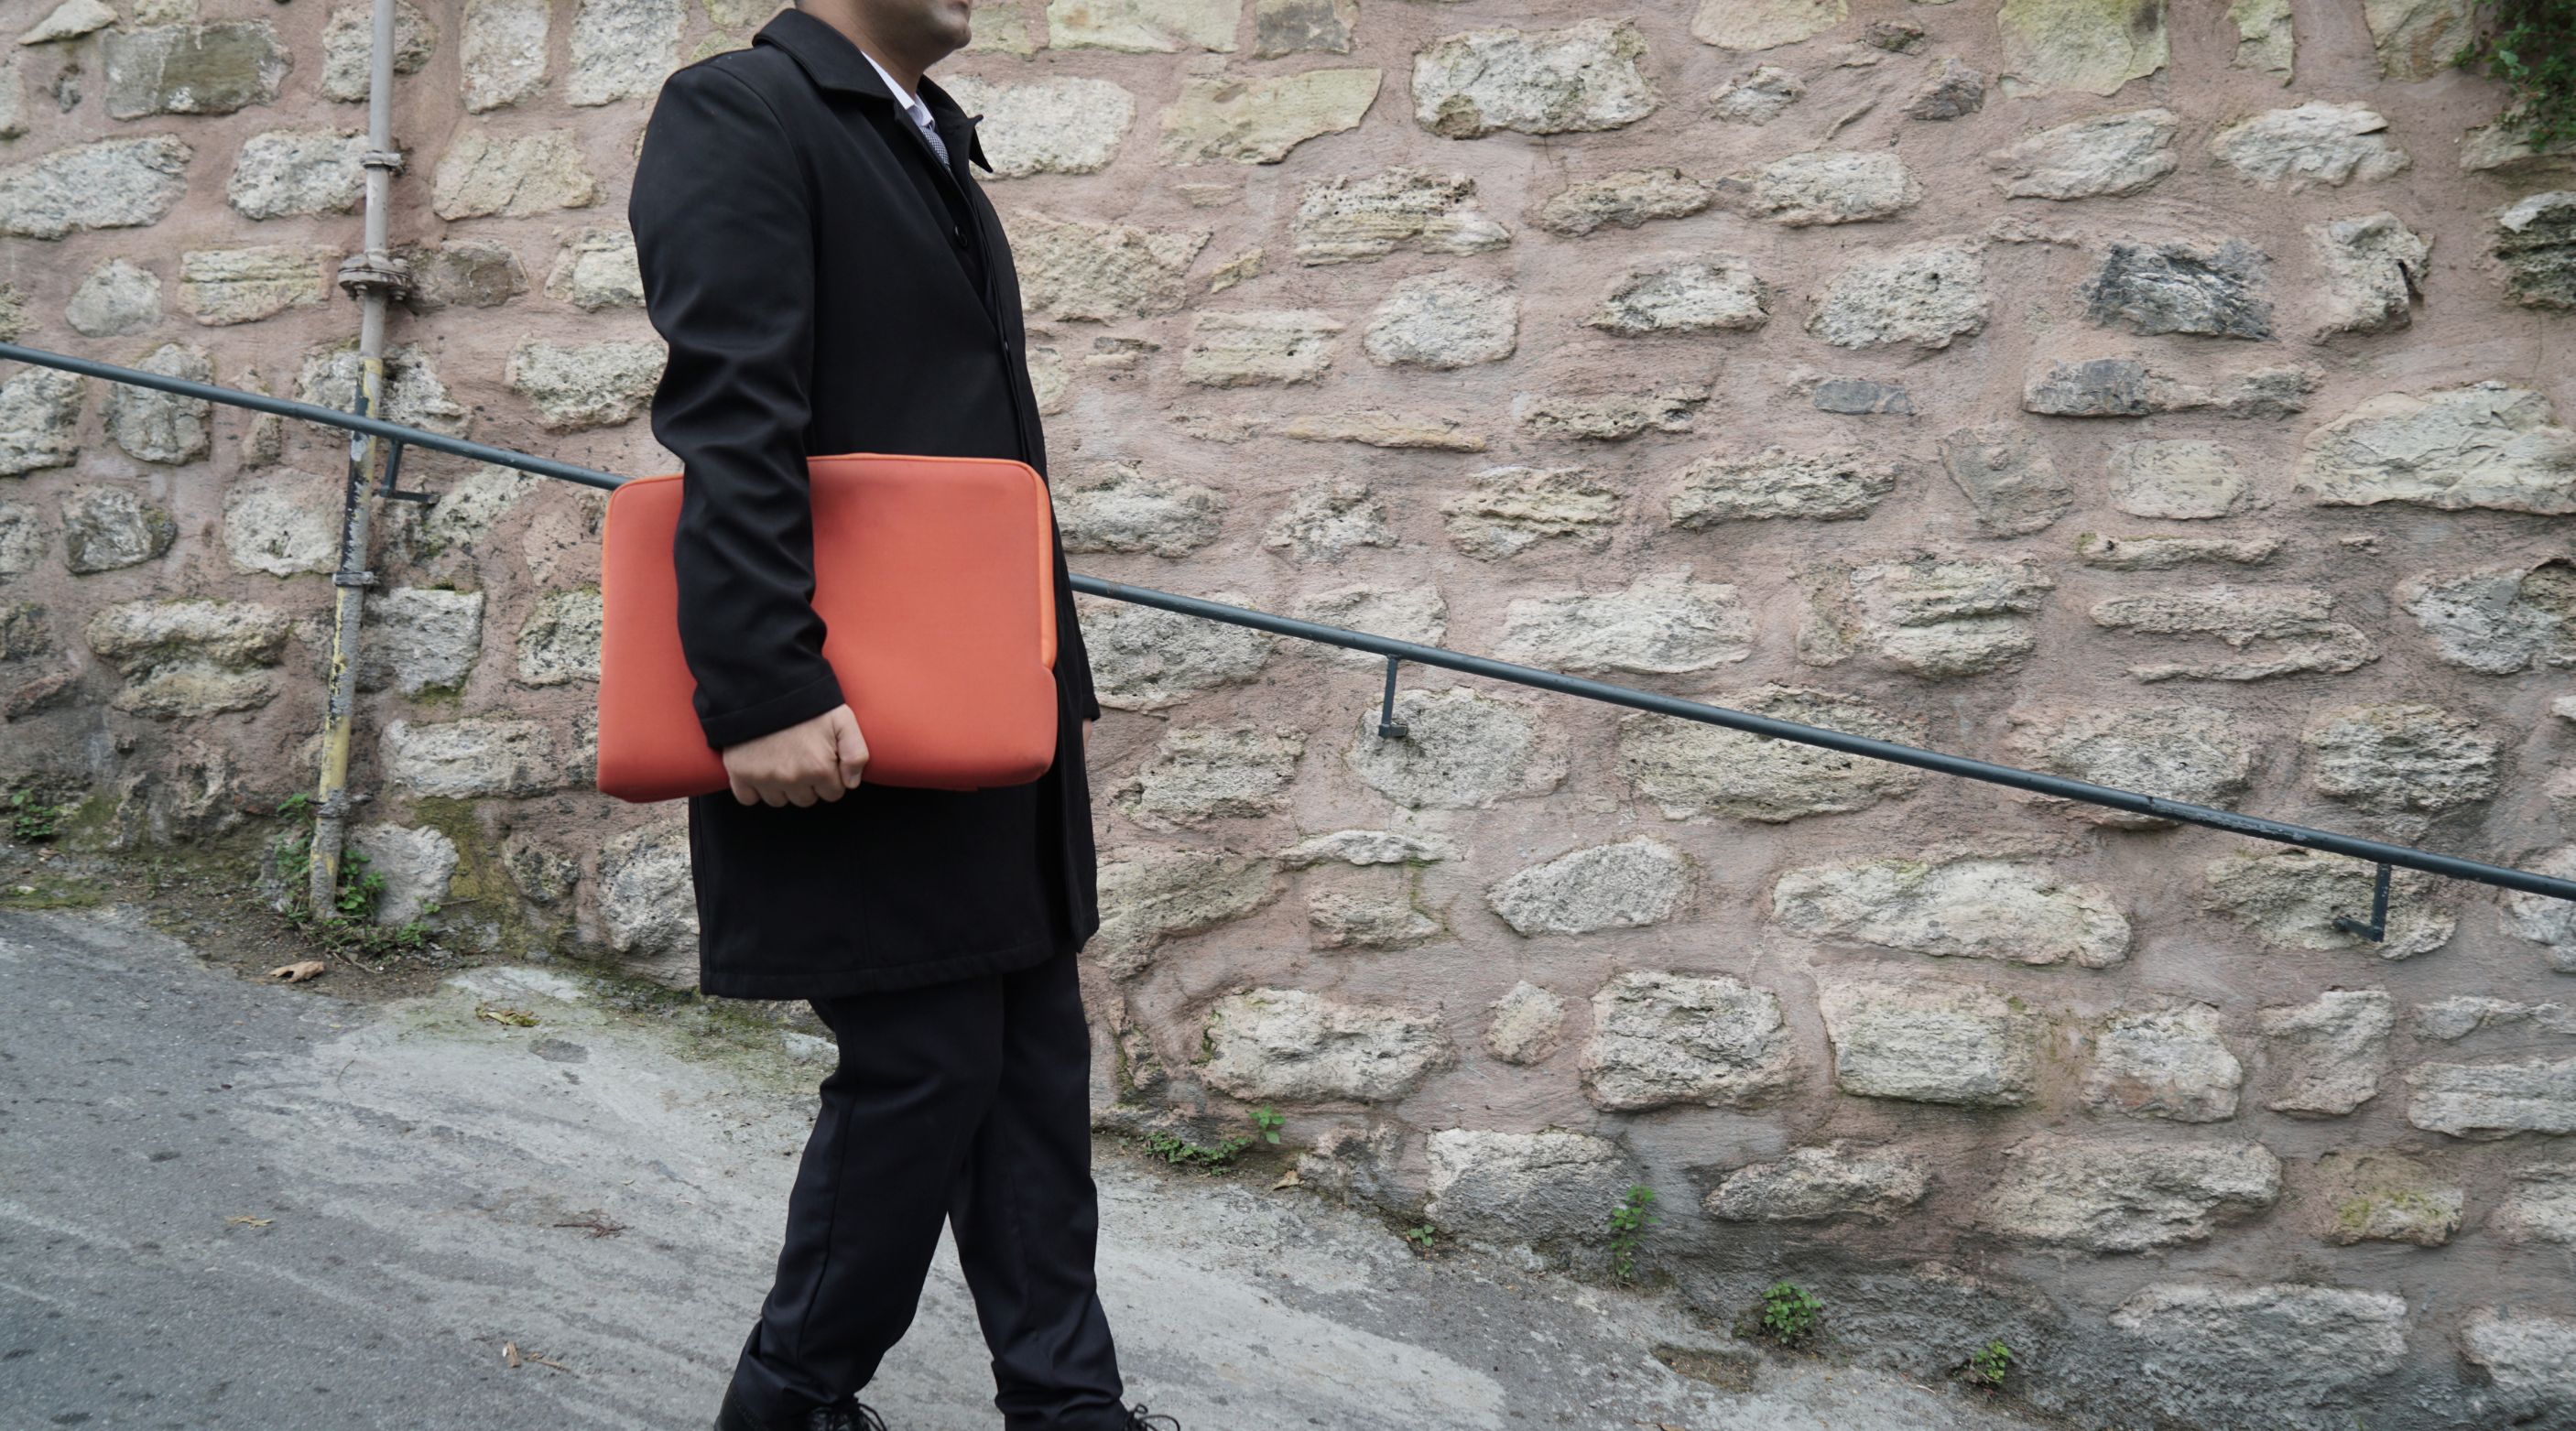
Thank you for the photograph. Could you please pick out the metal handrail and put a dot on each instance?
(2378, 852)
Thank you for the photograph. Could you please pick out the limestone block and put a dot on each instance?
(1509, 510)
(2383, 1197)
(2389, 759)
(412, 393)
(1149, 897)
(2277, 1345)
(191, 69)
(1521, 1188)
(416, 866)
(597, 270)
(2315, 143)
(40, 412)
(1927, 613)
(2331, 1053)
(584, 385)
(155, 426)
(1585, 77)
(2279, 630)
(1950, 90)
(2486, 446)
(483, 174)
(218, 287)
(1820, 1184)
(1198, 774)
(1345, 218)
(1143, 659)
(117, 298)
(350, 35)
(1463, 750)
(1288, 27)
(1328, 521)
(2130, 387)
(1058, 125)
(1123, 509)
(1445, 320)
(1663, 622)
(1660, 1039)
(1245, 348)
(559, 642)
(502, 54)
(2455, 1018)
(1621, 886)
(2289, 898)
(2010, 481)
(2105, 156)
(2549, 923)
(2417, 39)
(1958, 1044)
(1612, 417)
(2127, 1197)
(1759, 97)
(287, 173)
(1688, 769)
(187, 659)
(1963, 908)
(1625, 199)
(1087, 272)
(1528, 1025)
(623, 49)
(1715, 294)
(2092, 45)
(1765, 24)
(2530, 1358)
(1923, 294)
(2160, 553)
(1257, 121)
(464, 273)
(1410, 613)
(1383, 916)
(106, 184)
(647, 905)
(1142, 26)
(2372, 268)
(1369, 847)
(2265, 38)
(2179, 480)
(111, 528)
(1826, 186)
(22, 539)
(2493, 1100)
(2163, 1063)
(69, 21)
(2196, 754)
(421, 639)
(2539, 1206)
(283, 523)
(471, 758)
(1296, 1047)
(1377, 427)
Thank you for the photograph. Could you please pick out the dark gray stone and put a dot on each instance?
(2102, 387)
(1861, 397)
(2176, 288)
(2536, 243)
(1949, 91)
(191, 69)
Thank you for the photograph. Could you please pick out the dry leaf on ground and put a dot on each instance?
(299, 971)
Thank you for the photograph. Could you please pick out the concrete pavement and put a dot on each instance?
(224, 1205)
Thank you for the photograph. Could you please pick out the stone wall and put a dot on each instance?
(2161, 392)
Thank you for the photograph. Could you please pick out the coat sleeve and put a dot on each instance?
(724, 239)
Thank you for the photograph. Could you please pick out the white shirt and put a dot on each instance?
(912, 104)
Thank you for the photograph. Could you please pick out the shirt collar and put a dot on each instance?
(912, 104)
(832, 62)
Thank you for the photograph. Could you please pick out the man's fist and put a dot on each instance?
(819, 759)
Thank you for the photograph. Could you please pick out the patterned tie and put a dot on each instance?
(931, 133)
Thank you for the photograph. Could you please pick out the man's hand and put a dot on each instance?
(819, 759)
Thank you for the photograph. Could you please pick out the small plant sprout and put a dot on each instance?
(1628, 1223)
(1422, 1237)
(1180, 1152)
(1267, 1122)
(1791, 1314)
(1988, 1365)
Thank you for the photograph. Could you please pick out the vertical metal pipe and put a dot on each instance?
(350, 581)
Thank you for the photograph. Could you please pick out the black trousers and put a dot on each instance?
(968, 1101)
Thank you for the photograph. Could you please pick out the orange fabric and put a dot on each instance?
(934, 577)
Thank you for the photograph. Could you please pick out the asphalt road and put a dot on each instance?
(227, 1205)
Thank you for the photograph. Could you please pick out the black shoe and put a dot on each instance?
(847, 1416)
(1140, 1419)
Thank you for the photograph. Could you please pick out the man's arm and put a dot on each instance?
(724, 241)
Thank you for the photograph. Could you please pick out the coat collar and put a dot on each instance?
(832, 62)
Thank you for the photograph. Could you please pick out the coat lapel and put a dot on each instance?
(834, 64)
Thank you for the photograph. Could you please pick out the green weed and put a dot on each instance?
(1628, 1223)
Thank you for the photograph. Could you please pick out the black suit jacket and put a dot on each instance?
(826, 286)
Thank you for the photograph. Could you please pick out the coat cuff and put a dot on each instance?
(775, 714)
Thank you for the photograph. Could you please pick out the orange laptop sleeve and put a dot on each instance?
(934, 577)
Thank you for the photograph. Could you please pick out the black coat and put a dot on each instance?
(826, 286)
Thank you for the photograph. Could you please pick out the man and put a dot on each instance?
(830, 279)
